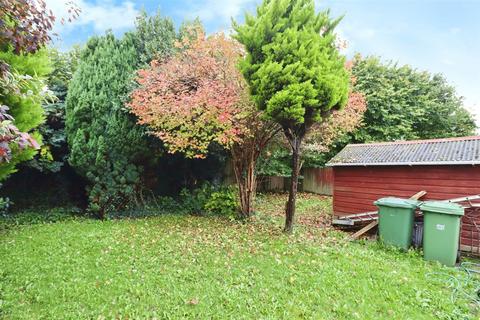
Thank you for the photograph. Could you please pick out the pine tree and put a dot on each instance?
(295, 72)
(106, 145)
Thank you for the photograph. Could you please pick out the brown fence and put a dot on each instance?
(314, 180)
(318, 180)
(272, 184)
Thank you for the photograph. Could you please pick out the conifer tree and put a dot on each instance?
(106, 145)
(295, 72)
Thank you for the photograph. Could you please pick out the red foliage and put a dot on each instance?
(195, 97)
(26, 24)
(11, 136)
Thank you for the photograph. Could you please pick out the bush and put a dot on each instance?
(194, 201)
(210, 199)
(223, 202)
(106, 146)
(5, 204)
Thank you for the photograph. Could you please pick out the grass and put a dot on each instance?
(178, 266)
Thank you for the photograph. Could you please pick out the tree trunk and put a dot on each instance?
(244, 159)
(248, 194)
(244, 168)
(295, 142)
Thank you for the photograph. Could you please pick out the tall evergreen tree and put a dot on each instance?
(294, 71)
(106, 145)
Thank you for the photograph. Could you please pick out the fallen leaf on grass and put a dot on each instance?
(193, 301)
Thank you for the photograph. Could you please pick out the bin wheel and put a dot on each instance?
(459, 256)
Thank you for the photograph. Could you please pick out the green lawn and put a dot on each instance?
(174, 266)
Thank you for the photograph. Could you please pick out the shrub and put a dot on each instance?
(194, 201)
(223, 202)
(107, 148)
(210, 199)
(5, 204)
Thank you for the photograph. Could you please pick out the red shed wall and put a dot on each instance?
(356, 188)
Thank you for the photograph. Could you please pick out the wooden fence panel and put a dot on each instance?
(318, 180)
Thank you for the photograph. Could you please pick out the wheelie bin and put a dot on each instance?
(395, 223)
(441, 231)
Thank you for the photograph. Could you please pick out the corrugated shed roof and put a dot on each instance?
(449, 151)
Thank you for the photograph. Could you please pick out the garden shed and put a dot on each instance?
(445, 168)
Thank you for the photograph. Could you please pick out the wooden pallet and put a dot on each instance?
(374, 223)
(352, 219)
(373, 215)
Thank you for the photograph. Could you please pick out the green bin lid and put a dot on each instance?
(396, 203)
(442, 207)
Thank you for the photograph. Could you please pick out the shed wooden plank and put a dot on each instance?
(410, 181)
(372, 224)
(356, 188)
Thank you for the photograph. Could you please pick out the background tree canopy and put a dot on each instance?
(405, 103)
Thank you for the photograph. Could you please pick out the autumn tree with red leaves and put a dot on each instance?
(198, 97)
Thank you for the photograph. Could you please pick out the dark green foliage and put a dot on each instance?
(54, 151)
(314, 159)
(5, 205)
(404, 104)
(175, 172)
(210, 199)
(107, 148)
(275, 161)
(38, 216)
(153, 206)
(194, 201)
